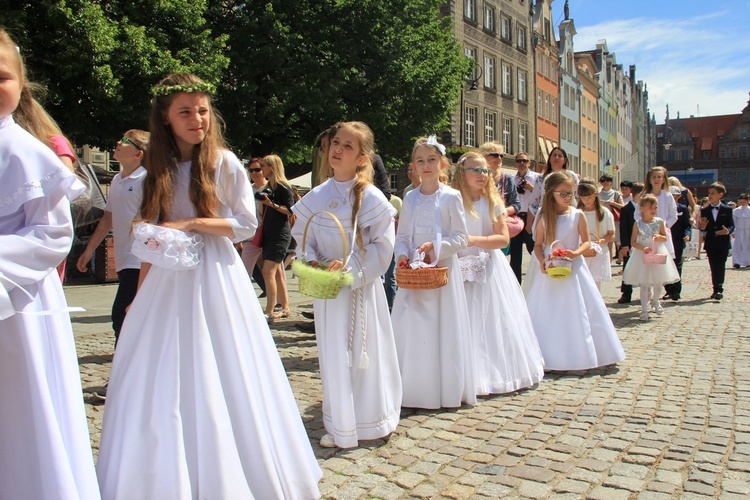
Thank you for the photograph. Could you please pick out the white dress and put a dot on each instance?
(506, 352)
(433, 336)
(358, 402)
(600, 265)
(570, 318)
(666, 210)
(198, 404)
(45, 451)
(638, 273)
(741, 246)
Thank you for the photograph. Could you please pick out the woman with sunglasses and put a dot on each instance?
(529, 186)
(252, 249)
(493, 154)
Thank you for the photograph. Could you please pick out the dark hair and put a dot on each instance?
(744, 196)
(719, 187)
(586, 188)
(637, 188)
(548, 169)
(606, 178)
(626, 184)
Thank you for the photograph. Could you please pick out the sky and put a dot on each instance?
(693, 55)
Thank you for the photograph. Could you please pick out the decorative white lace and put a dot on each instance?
(474, 267)
(166, 247)
(28, 186)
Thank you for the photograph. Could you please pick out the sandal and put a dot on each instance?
(285, 313)
(270, 318)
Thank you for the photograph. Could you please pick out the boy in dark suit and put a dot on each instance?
(681, 232)
(716, 225)
(627, 220)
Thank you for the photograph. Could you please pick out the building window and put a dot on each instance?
(507, 79)
(470, 126)
(470, 10)
(490, 126)
(539, 104)
(489, 18)
(393, 182)
(563, 133)
(521, 37)
(471, 53)
(576, 133)
(566, 97)
(546, 107)
(684, 154)
(490, 77)
(743, 134)
(522, 133)
(742, 150)
(522, 96)
(553, 102)
(547, 30)
(547, 67)
(508, 135)
(505, 28)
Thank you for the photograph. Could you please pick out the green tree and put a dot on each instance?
(99, 59)
(298, 67)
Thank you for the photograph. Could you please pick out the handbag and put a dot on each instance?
(615, 213)
(258, 237)
(514, 222)
(88, 208)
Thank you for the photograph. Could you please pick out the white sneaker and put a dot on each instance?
(644, 316)
(658, 309)
(327, 441)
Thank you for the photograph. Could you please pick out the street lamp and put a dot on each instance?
(473, 87)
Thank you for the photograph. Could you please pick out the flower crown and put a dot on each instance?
(189, 88)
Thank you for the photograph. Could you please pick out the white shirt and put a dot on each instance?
(530, 199)
(124, 203)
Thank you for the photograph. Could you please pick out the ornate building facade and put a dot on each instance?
(547, 74)
(571, 91)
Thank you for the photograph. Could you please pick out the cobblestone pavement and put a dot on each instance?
(672, 420)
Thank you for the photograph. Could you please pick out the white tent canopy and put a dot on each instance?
(303, 181)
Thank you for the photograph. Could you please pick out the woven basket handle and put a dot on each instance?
(338, 223)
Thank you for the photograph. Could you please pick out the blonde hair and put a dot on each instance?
(364, 172)
(161, 159)
(674, 181)
(491, 147)
(422, 141)
(549, 206)
(648, 199)
(665, 183)
(277, 171)
(489, 191)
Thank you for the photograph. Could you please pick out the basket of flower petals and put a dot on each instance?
(558, 264)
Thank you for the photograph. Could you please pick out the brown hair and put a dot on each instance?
(549, 207)
(548, 168)
(637, 188)
(665, 185)
(162, 154)
(490, 190)
(364, 172)
(648, 199)
(719, 187)
(587, 188)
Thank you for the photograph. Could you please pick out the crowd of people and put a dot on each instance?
(198, 404)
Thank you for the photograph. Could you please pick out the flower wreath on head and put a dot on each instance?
(188, 88)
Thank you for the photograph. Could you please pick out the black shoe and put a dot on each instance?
(736, 266)
(308, 315)
(674, 296)
(666, 296)
(623, 300)
(718, 296)
(262, 295)
(306, 327)
(713, 296)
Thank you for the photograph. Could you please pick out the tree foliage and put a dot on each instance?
(286, 70)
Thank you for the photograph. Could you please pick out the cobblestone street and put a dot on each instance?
(672, 420)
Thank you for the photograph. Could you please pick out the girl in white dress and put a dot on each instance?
(570, 318)
(357, 353)
(433, 337)
(741, 246)
(45, 452)
(506, 352)
(649, 236)
(198, 404)
(657, 184)
(602, 227)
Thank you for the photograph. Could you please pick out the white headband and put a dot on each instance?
(432, 141)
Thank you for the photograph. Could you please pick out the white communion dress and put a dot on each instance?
(433, 336)
(361, 398)
(741, 246)
(45, 451)
(199, 405)
(600, 265)
(638, 273)
(570, 318)
(506, 352)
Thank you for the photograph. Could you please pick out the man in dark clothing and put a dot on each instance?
(627, 221)
(380, 179)
(716, 224)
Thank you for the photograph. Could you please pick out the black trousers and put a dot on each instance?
(124, 297)
(676, 288)
(717, 261)
(516, 248)
(625, 289)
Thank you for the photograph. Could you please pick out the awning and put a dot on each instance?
(550, 145)
(706, 144)
(543, 149)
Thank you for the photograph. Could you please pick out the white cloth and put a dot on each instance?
(432, 330)
(570, 318)
(638, 273)
(124, 203)
(199, 405)
(506, 352)
(741, 246)
(666, 210)
(600, 265)
(45, 452)
(358, 402)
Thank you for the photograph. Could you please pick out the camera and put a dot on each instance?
(260, 195)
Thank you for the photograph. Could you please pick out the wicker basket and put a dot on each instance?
(422, 278)
(318, 282)
(558, 268)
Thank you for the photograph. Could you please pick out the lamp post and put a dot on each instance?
(473, 87)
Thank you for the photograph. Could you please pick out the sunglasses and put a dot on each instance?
(478, 170)
(521, 160)
(126, 140)
(564, 194)
(495, 155)
(254, 170)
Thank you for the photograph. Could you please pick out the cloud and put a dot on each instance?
(683, 63)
